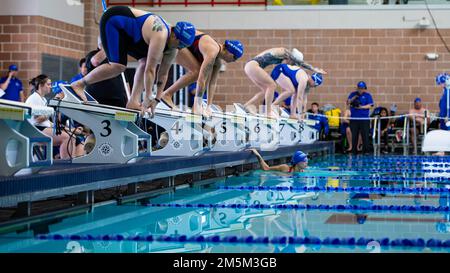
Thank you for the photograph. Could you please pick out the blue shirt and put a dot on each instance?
(77, 77)
(13, 90)
(323, 122)
(443, 110)
(365, 98)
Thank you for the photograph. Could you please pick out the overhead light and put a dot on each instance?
(432, 56)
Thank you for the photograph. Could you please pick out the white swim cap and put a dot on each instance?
(297, 55)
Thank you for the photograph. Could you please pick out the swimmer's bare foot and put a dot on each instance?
(251, 109)
(168, 100)
(207, 112)
(195, 110)
(200, 111)
(272, 116)
(294, 117)
(134, 105)
(78, 87)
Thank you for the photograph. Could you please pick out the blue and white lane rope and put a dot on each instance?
(387, 164)
(323, 207)
(377, 177)
(310, 240)
(393, 160)
(341, 189)
(331, 169)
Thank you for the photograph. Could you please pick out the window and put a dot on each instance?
(59, 68)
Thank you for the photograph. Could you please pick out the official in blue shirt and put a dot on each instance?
(12, 86)
(360, 103)
(444, 109)
(83, 71)
(443, 80)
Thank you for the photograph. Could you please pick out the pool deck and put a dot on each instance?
(64, 178)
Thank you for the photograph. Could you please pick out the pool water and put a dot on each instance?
(328, 208)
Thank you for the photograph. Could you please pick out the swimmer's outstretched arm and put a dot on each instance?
(303, 64)
(310, 67)
(266, 167)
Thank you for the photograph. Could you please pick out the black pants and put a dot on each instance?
(357, 127)
(385, 140)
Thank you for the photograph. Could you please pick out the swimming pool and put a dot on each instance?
(340, 204)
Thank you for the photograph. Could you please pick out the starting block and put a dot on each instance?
(263, 133)
(184, 132)
(116, 135)
(24, 148)
(229, 131)
(289, 130)
(308, 134)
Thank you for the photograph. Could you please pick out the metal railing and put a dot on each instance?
(186, 3)
(406, 130)
(376, 136)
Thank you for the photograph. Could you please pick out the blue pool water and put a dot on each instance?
(340, 204)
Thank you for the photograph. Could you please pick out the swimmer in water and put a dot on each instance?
(299, 163)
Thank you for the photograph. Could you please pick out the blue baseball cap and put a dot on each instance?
(417, 100)
(235, 47)
(362, 85)
(185, 33)
(298, 157)
(13, 67)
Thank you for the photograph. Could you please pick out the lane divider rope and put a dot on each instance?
(392, 208)
(340, 189)
(377, 177)
(309, 240)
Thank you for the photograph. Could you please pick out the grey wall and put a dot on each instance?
(69, 11)
(308, 17)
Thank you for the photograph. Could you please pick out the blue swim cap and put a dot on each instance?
(55, 87)
(185, 33)
(441, 78)
(235, 47)
(298, 157)
(317, 78)
(13, 67)
(362, 85)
